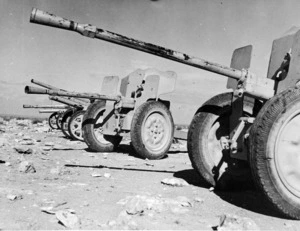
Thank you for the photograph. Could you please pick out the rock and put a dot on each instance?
(20, 134)
(94, 174)
(211, 189)
(49, 144)
(13, 197)
(42, 129)
(27, 142)
(60, 171)
(136, 205)
(7, 164)
(107, 175)
(23, 150)
(174, 182)
(60, 147)
(198, 200)
(1, 120)
(26, 167)
(46, 148)
(233, 222)
(24, 122)
(184, 201)
(26, 137)
(68, 219)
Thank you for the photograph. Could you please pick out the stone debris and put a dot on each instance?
(7, 164)
(107, 175)
(26, 167)
(94, 174)
(26, 137)
(68, 219)
(139, 204)
(23, 150)
(60, 147)
(233, 222)
(27, 142)
(13, 197)
(46, 148)
(42, 129)
(198, 200)
(49, 144)
(24, 123)
(174, 182)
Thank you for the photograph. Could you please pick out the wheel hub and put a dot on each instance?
(155, 133)
(287, 156)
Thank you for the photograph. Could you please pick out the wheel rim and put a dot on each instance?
(52, 121)
(219, 128)
(287, 156)
(156, 132)
(76, 127)
(98, 128)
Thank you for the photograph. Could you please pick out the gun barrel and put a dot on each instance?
(46, 106)
(44, 18)
(48, 86)
(37, 90)
(50, 110)
(66, 101)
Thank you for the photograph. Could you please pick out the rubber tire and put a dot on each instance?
(263, 155)
(72, 119)
(58, 120)
(65, 121)
(204, 152)
(53, 116)
(141, 114)
(90, 118)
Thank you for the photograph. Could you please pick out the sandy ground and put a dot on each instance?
(73, 188)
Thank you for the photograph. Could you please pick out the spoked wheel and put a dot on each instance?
(152, 130)
(275, 152)
(65, 121)
(93, 131)
(207, 156)
(75, 125)
(52, 120)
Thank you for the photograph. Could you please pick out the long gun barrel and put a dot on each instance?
(66, 101)
(46, 106)
(50, 110)
(37, 90)
(44, 18)
(48, 86)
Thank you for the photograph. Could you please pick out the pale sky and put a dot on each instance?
(209, 29)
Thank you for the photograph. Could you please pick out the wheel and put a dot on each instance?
(65, 121)
(275, 152)
(208, 158)
(52, 120)
(93, 132)
(58, 120)
(152, 130)
(75, 125)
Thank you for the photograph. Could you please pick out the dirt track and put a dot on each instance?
(113, 190)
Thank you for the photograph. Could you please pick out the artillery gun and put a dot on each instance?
(55, 110)
(70, 121)
(121, 108)
(256, 125)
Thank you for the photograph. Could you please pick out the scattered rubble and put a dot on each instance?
(14, 197)
(230, 222)
(26, 167)
(23, 150)
(68, 219)
(174, 182)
